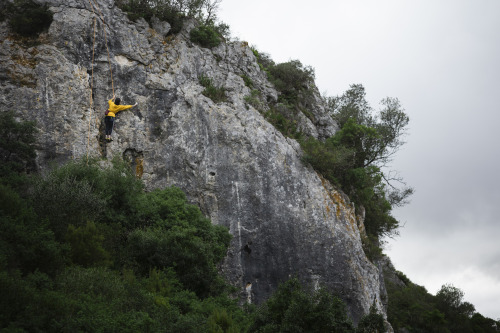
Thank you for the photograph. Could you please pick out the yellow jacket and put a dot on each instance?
(114, 109)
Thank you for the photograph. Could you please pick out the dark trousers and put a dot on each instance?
(110, 123)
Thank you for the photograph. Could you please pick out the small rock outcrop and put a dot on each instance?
(286, 220)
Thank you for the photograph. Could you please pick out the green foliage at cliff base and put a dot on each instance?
(294, 309)
(83, 248)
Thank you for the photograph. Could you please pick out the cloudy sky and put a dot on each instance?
(441, 59)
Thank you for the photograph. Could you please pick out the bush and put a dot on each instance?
(77, 193)
(221, 322)
(205, 36)
(331, 160)
(292, 309)
(292, 80)
(263, 59)
(373, 322)
(284, 120)
(3, 10)
(28, 19)
(163, 10)
(86, 245)
(17, 152)
(181, 239)
(62, 199)
(26, 244)
(248, 81)
(216, 94)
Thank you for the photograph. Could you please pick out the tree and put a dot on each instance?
(86, 245)
(180, 238)
(373, 322)
(17, 148)
(351, 105)
(293, 309)
(373, 140)
(456, 311)
(450, 298)
(291, 79)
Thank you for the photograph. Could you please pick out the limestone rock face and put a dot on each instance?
(244, 174)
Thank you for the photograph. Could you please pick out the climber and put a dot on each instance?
(114, 108)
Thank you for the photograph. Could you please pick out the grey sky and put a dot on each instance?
(441, 59)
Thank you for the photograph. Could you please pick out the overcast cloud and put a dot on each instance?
(441, 59)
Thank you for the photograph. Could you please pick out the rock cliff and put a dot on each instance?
(243, 173)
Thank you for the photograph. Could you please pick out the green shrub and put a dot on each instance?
(248, 81)
(163, 10)
(285, 120)
(205, 36)
(354, 157)
(76, 193)
(28, 19)
(17, 152)
(216, 94)
(26, 244)
(86, 245)
(292, 309)
(181, 239)
(292, 80)
(412, 308)
(330, 159)
(62, 199)
(263, 59)
(373, 322)
(221, 322)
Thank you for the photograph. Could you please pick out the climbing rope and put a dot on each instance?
(93, 4)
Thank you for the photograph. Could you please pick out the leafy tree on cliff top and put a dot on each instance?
(355, 158)
(373, 140)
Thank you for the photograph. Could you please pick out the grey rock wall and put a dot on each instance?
(244, 174)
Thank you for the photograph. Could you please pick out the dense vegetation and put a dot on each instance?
(292, 309)
(85, 249)
(413, 309)
(209, 32)
(205, 35)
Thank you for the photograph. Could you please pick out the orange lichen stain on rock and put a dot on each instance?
(359, 278)
(139, 167)
(24, 61)
(342, 207)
